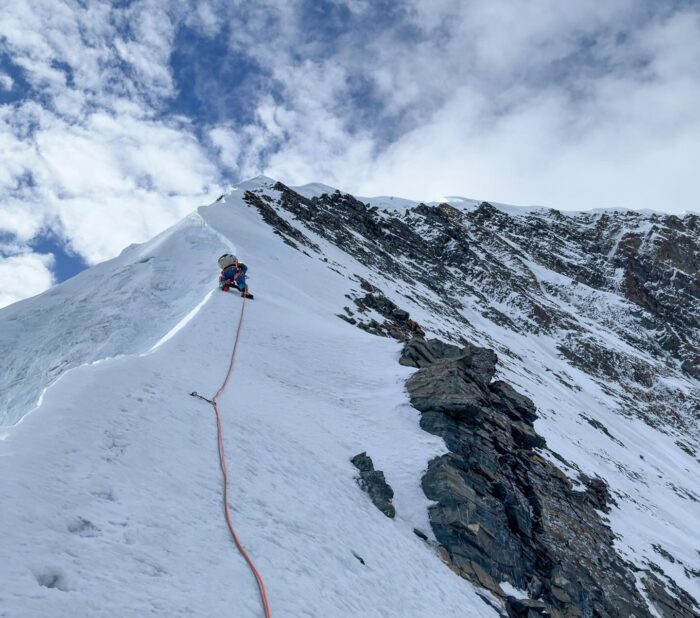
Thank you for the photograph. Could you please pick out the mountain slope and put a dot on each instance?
(113, 479)
(114, 482)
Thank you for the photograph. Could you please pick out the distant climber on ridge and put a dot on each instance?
(233, 275)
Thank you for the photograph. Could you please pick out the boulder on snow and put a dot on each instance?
(397, 322)
(373, 482)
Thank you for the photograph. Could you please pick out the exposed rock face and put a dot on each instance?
(614, 295)
(503, 510)
(678, 605)
(397, 322)
(525, 608)
(647, 262)
(287, 232)
(373, 482)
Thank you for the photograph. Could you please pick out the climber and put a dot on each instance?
(233, 275)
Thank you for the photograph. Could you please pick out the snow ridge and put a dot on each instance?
(113, 486)
(112, 494)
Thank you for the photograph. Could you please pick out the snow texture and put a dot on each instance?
(110, 482)
(111, 487)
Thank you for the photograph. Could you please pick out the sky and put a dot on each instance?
(117, 118)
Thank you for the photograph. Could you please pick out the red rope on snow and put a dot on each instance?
(224, 468)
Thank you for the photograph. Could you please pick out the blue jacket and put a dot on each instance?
(232, 271)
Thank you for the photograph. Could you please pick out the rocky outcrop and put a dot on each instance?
(373, 482)
(617, 294)
(646, 262)
(679, 604)
(397, 322)
(503, 512)
(289, 234)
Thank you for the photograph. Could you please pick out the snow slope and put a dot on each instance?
(121, 306)
(111, 487)
(653, 478)
(110, 482)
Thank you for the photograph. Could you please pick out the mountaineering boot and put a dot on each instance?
(247, 294)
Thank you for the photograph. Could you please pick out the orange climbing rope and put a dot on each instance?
(224, 469)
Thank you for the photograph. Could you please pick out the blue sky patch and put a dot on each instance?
(67, 264)
(214, 84)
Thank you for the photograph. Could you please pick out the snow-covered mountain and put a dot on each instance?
(524, 383)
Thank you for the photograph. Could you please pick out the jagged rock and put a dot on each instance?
(287, 231)
(397, 321)
(515, 405)
(691, 366)
(421, 353)
(525, 436)
(601, 427)
(367, 286)
(525, 608)
(624, 275)
(420, 534)
(373, 482)
(598, 492)
(514, 516)
(349, 320)
(480, 363)
(614, 253)
(678, 605)
(446, 388)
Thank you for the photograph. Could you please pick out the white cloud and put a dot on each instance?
(227, 143)
(21, 219)
(90, 159)
(118, 180)
(569, 105)
(24, 275)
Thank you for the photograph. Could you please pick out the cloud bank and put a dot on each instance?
(118, 118)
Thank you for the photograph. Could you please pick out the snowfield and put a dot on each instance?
(111, 487)
(110, 481)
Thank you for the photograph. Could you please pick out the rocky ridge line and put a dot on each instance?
(487, 254)
(650, 262)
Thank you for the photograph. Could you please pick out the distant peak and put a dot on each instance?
(255, 182)
(261, 178)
